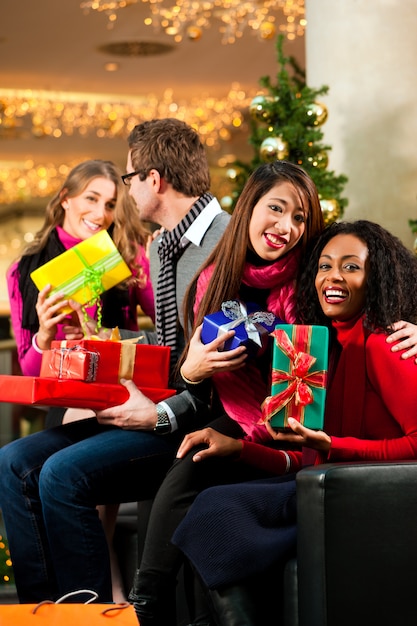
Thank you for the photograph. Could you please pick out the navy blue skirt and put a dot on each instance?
(233, 532)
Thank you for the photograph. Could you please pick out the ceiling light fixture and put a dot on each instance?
(111, 67)
(188, 18)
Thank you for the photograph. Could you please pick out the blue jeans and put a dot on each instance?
(50, 484)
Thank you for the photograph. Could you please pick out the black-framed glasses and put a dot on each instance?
(126, 178)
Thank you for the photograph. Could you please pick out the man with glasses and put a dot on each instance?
(51, 481)
(169, 179)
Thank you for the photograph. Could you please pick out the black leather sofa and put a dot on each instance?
(357, 547)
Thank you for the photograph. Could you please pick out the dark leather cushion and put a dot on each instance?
(357, 547)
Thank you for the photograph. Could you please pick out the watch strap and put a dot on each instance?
(163, 423)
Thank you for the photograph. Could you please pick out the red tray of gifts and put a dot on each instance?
(69, 393)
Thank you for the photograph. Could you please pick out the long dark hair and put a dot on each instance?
(391, 293)
(229, 256)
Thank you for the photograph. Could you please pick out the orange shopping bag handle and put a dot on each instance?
(94, 596)
(115, 607)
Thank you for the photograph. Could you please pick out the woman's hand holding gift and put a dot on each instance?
(204, 360)
(82, 326)
(49, 310)
(302, 436)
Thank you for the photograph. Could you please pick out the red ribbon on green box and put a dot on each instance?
(298, 392)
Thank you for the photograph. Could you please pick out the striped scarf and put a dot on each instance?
(169, 251)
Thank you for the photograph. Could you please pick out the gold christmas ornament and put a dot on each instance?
(235, 175)
(258, 108)
(226, 202)
(331, 210)
(317, 113)
(194, 33)
(232, 174)
(273, 149)
(320, 160)
(267, 30)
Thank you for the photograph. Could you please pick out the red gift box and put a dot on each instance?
(69, 393)
(74, 363)
(148, 366)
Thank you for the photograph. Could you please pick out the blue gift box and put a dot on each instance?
(252, 326)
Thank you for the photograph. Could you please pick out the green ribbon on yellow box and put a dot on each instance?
(84, 271)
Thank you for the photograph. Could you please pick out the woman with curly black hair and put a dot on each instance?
(357, 281)
(391, 268)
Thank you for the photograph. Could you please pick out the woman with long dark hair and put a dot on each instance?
(357, 281)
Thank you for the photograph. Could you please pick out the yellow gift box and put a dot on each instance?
(85, 271)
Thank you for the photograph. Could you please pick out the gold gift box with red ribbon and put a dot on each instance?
(84, 271)
(299, 376)
(107, 362)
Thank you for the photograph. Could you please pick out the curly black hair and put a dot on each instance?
(391, 284)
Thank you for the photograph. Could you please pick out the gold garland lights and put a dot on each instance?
(188, 18)
(23, 181)
(39, 114)
(49, 114)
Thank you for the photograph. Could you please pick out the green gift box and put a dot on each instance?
(299, 376)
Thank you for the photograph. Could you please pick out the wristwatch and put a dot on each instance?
(163, 424)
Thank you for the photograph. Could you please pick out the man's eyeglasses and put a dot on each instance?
(126, 178)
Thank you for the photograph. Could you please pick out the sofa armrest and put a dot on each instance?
(357, 544)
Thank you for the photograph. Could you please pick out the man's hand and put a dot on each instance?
(218, 444)
(204, 360)
(137, 413)
(406, 334)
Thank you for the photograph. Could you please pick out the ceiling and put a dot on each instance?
(53, 45)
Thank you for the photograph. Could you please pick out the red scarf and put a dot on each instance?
(243, 391)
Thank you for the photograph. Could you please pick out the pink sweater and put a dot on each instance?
(29, 358)
(242, 392)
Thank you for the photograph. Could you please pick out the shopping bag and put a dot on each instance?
(61, 613)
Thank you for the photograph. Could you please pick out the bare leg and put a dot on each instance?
(108, 515)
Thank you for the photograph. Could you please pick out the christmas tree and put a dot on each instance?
(286, 124)
(6, 571)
